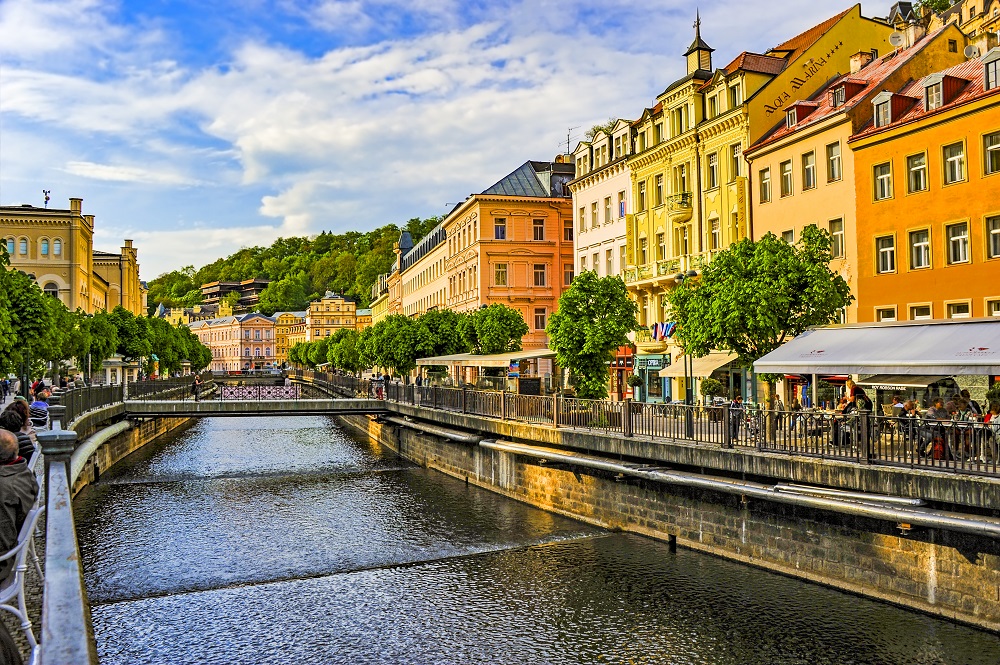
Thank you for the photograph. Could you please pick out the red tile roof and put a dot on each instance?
(754, 62)
(970, 70)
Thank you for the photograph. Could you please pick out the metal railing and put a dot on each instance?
(81, 400)
(866, 438)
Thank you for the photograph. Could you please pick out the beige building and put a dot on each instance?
(56, 246)
(328, 315)
(804, 169)
(240, 342)
(364, 319)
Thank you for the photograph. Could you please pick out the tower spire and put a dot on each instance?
(699, 54)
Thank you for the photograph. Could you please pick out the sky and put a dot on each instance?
(197, 128)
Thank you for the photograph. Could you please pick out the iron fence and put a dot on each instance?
(81, 400)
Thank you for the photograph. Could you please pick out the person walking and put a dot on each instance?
(736, 414)
(196, 387)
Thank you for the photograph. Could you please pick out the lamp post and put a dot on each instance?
(688, 371)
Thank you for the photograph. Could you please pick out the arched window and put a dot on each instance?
(24, 246)
(51, 289)
(10, 246)
(246, 351)
(45, 247)
(57, 247)
(267, 351)
(257, 352)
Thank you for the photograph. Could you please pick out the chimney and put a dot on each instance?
(860, 59)
(128, 243)
(76, 205)
(914, 32)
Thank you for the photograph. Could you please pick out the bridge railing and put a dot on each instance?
(867, 438)
(81, 400)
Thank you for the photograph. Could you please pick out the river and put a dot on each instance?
(284, 540)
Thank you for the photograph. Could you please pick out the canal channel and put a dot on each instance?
(266, 540)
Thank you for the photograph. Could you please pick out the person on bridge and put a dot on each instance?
(736, 414)
(18, 493)
(40, 410)
(196, 387)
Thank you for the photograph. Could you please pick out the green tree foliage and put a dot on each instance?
(756, 295)
(287, 293)
(318, 351)
(102, 338)
(395, 342)
(31, 317)
(936, 6)
(494, 329)
(606, 128)
(594, 318)
(346, 263)
(344, 351)
(7, 335)
(133, 334)
(444, 326)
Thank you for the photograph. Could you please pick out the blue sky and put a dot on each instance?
(197, 128)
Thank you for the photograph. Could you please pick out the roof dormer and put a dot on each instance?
(941, 89)
(991, 63)
(798, 112)
(890, 107)
(847, 89)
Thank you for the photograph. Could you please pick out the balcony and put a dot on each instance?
(646, 344)
(680, 208)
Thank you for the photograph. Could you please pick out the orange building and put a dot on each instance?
(927, 174)
(513, 244)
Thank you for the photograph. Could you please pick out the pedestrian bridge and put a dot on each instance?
(141, 408)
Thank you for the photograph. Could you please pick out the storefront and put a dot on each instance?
(653, 388)
(619, 370)
(699, 368)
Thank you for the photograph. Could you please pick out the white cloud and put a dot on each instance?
(118, 173)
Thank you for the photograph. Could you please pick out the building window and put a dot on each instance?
(958, 243)
(885, 314)
(886, 246)
(959, 310)
(51, 289)
(538, 229)
(641, 203)
(609, 261)
(765, 185)
(540, 318)
(933, 97)
(837, 238)
(681, 236)
(713, 170)
(568, 230)
(882, 117)
(838, 96)
(713, 106)
(661, 247)
(595, 260)
(883, 181)
(23, 246)
(954, 163)
(735, 96)
(567, 273)
(500, 274)
(993, 308)
(788, 236)
(716, 234)
(791, 118)
(659, 190)
(539, 274)
(583, 219)
(834, 171)
(735, 161)
(500, 228)
(607, 210)
(993, 74)
(993, 237)
(953, 45)
(786, 178)
(920, 249)
(991, 153)
(920, 312)
(916, 173)
(10, 246)
(681, 178)
(583, 264)
(643, 259)
(45, 247)
(594, 221)
(621, 203)
(809, 170)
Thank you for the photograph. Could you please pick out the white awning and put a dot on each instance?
(970, 346)
(900, 381)
(703, 366)
(495, 360)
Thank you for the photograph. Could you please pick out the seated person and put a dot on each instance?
(40, 410)
(13, 422)
(18, 493)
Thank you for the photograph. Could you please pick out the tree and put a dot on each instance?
(756, 295)
(102, 338)
(286, 295)
(318, 351)
(495, 329)
(344, 351)
(936, 6)
(133, 334)
(31, 317)
(606, 128)
(7, 337)
(594, 318)
(444, 327)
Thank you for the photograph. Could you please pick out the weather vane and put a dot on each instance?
(46, 192)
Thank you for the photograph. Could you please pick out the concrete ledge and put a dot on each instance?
(300, 407)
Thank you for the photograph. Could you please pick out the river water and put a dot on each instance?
(269, 540)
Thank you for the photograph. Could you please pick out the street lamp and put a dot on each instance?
(688, 370)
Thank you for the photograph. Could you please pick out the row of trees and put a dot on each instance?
(751, 299)
(37, 329)
(397, 342)
(300, 268)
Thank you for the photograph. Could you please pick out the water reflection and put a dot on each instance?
(369, 560)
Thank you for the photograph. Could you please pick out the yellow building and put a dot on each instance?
(364, 319)
(56, 246)
(387, 290)
(927, 183)
(284, 324)
(690, 190)
(978, 19)
(804, 168)
(329, 314)
(182, 316)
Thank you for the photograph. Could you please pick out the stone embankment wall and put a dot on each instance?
(945, 573)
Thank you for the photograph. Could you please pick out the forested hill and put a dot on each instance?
(300, 268)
